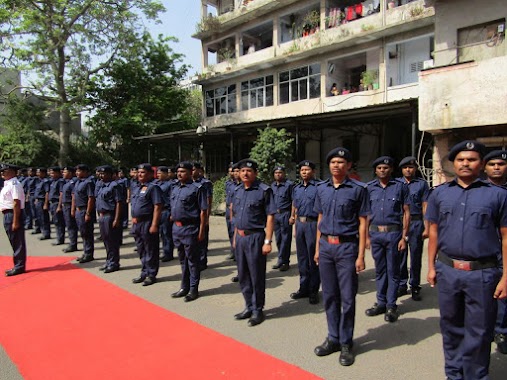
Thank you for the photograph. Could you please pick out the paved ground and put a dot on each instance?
(407, 349)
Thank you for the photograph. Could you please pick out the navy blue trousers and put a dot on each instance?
(17, 240)
(415, 244)
(28, 215)
(203, 249)
(185, 241)
(147, 246)
(501, 319)
(384, 249)
(70, 224)
(309, 277)
(58, 221)
(166, 234)
(283, 236)
(125, 214)
(337, 266)
(467, 319)
(34, 221)
(230, 231)
(252, 269)
(43, 217)
(111, 236)
(86, 232)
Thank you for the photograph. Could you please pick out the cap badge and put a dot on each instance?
(504, 156)
(307, 163)
(386, 161)
(470, 145)
(249, 164)
(341, 153)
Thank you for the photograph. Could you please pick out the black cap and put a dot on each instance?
(185, 165)
(248, 163)
(163, 169)
(197, 165)
(83, 167)
(383, 160)
(278, 167)
(467, 145)
(105, 169)
(145, 166)
(5, 166)
(306, 163)
(235, 166)
(496, 155)
(339, 152)
(69, 168)
(409, 160)
(42, 169)
(55, 168)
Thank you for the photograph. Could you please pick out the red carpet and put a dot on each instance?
(65, 323)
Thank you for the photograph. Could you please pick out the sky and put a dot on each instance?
(179, 21)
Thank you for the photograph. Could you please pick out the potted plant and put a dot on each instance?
(311, 21)
(369, 79)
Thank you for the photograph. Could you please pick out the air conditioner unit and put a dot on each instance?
(428, 64)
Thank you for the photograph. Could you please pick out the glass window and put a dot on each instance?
(300, 84)
(255, 91)
(221, 100)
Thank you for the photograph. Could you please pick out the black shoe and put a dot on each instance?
(69, 249)
(84, 259)
(298, 295)
(111, 269)
(36, 232)
(391, 315)
(416, 293)
(45, 238)
(501, 343)
(14, 272)
(375, 310)
(256, 319)
(230, 256)
(235, 279)
(150, 280)
(277, 266)
(327, 348)
(103, 267)
(247, 313)
(180, 293)
(57, 243)
(203, 267)
(346, 356)
(284, 267)
(192, 295)
(139, 279)
(166, 259)
(402, 291)
(313, 298)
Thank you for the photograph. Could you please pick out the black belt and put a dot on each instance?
(249, 232)
(305, 219)
(339, 239)
(488, 262)
(102, 213)
(187, 222)
(387, 228)
(143, 218)
(282, 210)
(9, 211)
(416, 217)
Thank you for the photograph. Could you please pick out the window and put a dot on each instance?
(221, 100)
(300, 84)
(257, 93)
(482, 41)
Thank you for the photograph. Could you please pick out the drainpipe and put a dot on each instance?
(231, 151)
(414, 127)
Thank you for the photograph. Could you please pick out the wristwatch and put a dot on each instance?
(267, 241)
(406, 238)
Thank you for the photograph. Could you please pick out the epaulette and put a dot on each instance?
(326, 181)
(197, 184)
(263, 186)
(371, 182)
(358, 183)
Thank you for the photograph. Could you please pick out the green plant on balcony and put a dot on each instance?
(226, 54)
(367, 27)
(369, 79)
(208, 23)
(416, 11)
(311, 20)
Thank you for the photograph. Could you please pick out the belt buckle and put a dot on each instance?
(461, 265)
(241, 233)
(178, 223)
(333, 239)
(302, 219)
(382, 228)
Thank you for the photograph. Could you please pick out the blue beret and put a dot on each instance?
(383, 160)
(197, 165)
(339, 152)
(69, 168)
(83, 167)
(409, 160)
(496, 155)
(185, 165)
(105, 169)
(145, 166)
(235, 166)
(469, 145)
(278, 167)
(306, 163)
(42, 169)
(163, 169)
(55, 168)
(248, 163)
(4, 166)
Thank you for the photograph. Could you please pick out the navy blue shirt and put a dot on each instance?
(386, 203)
(303, 198)
(98, 184)
(468, 219)
(230, 186)
(250, 207)
(32, 184)
(418, 192)
(206, 184)
(144, 199)
(282, 193)
(109, 194)
(165, 186)
(54, 189)
(41, 188)
(187, 201)
(83, 189)
(124, 184)
(67, 190)
(341, 206)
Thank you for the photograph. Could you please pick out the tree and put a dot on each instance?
(62, 43)
(139, 95)
(273, 147)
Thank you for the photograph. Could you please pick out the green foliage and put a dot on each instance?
(219, 195)
(272, 147)
(208, 23)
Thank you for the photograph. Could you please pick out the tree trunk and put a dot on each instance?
(63, 155)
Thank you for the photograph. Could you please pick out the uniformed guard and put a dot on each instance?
(418, 192)
(305, 217)
(65, 205)
(230, 185)
(496, 171)
(55, 187)
(388, 235)
(166, 226)
(147, 204)
(253, 208)
(282, 193)
(198, 177)
(465, 217)
(83, 210)
(342, 205)
(41, 195)
(125, 183)
(189, 212)
(31, 217)
(24, 180)
(12, 203)
(108, 203)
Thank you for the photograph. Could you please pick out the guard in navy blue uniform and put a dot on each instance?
(125, 183)
(253, 208)
(282, 193)
(189, 213)
(465, 217)
(65, 205)
(108, 203)
(198, 177)
(342, 205)
(41, 195)
(55, 187)
(166, 226)
(147, 204)
(418, 191)
(12, 203)
(305, 218)
(230, 185)
(496, 171)
(32, 219)
(388, 235)
(83, 210)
